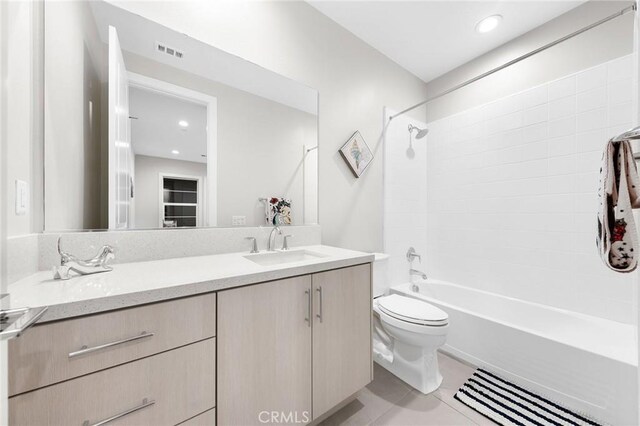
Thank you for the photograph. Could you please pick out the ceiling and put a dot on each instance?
(430, 38)
(155, 131)
(139, 35)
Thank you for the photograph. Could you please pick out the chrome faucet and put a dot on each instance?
(276, 228)
(418, 273)
(69, 262)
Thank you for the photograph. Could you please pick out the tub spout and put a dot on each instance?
(419, 273)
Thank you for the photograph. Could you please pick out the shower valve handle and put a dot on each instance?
(411, 254)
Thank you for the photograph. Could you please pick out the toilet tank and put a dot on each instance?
(379, 274)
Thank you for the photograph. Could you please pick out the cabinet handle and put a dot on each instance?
(84, 350)
(145, 403)
(308, 317)
(319, 315)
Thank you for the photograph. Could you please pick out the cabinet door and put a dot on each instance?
(264, 353)
(341, 335)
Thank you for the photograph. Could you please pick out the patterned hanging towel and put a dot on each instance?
(618, 194)
(280, 208)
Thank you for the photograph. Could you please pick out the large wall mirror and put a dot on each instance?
(148, 128)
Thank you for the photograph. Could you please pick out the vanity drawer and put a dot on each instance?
(177, 385)
(53, 352)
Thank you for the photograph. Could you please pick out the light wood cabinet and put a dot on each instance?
(264, 351)
(284, 351)
(45, 355)
(208, 418)
(180, 382)
(342, 354)
(293, 348)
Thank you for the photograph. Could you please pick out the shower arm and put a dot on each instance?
(619, 13)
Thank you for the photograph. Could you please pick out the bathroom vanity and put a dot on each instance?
(285, 342)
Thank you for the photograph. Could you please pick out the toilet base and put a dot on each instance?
(416, 366)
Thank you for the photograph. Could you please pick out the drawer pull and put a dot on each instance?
(86, 350)
(145, 403)
(319, 314)
(308, 317)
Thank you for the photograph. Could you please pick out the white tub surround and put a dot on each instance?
(519, 176)
(586, 363)
(136, 283)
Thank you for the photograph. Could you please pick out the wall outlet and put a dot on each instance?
(22, 197)
(238, 220)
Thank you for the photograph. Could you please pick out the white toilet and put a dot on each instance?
(407, 333)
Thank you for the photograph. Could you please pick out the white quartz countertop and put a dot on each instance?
(131, 284)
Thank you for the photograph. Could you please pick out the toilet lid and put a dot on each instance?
(412, 310)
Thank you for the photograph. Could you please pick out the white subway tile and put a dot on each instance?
(561, 88)
(564, 145)
(561, 184)
(620, 113)
(591, 78)
(588, 162)
(594, 140)
(562, 127)
(536, 96)
(535, 115)
(534, 133)
(591, 120)
(562, 107)
(562, 165)
(620, 91)
(591, 99)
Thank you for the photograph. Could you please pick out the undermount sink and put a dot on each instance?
(281, 257)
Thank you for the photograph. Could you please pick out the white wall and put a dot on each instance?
(512, 193)
(73, 100)
(147, 185)
(21, 81)
(354, 81)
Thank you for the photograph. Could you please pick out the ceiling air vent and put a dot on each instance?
(167, 50)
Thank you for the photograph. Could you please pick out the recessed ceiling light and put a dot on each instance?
(175, 152)
(183, 123)
(488, 24)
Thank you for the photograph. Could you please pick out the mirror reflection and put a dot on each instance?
(148, 128)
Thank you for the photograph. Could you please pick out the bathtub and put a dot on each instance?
(585, 363)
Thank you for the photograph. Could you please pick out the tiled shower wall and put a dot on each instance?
(405, 196)
(511, 185)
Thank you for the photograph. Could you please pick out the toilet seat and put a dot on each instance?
(412, 310)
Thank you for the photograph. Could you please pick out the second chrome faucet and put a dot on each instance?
(271, 242)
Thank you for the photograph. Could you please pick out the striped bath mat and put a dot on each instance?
(509, 404)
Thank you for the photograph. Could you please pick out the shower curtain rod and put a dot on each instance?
(518, 59)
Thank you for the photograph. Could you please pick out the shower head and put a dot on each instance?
(421, 132)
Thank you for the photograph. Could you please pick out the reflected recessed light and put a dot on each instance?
(183, 124)
(488, 24)
(175, 152)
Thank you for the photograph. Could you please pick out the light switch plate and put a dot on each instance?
(238, 220)
(22, 197)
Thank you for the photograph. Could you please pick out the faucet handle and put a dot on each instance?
(285, 242)
(254, 246)
(411, 254)
(61, 272)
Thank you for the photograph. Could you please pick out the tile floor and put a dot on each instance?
(389, 401)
